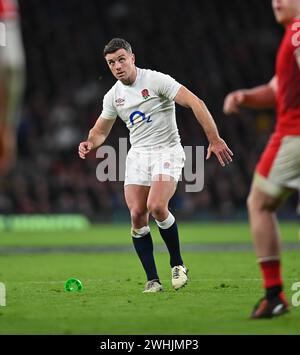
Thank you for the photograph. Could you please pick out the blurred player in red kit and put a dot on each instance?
(11, 81)
(277, 173)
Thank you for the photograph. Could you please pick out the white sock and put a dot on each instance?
(167, 223)
(140, 232)
(268, 258)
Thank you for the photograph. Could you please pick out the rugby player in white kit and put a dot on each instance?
(145, 101)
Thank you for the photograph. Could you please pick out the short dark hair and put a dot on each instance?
(116, 44)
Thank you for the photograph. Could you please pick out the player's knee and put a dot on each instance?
(157, 209)
(261, 202)
(138, 216)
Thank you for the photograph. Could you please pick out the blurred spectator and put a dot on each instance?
(11, 81)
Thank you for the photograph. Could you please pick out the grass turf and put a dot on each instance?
(222, 290)
(106, 234)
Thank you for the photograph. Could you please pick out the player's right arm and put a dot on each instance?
(260, 97)
(97, 136)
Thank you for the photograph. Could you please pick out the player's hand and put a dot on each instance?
(222, 152)
(233, 102)
(84, 148)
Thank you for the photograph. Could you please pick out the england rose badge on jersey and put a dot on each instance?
(145, 94)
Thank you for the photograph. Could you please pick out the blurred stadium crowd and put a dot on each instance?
(212, 47)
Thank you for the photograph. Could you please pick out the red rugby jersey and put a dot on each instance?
(7, 9)
(288, 81)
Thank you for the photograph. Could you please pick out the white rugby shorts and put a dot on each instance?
(144, 166)
(284, 172)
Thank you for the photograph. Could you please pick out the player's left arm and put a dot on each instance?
(217, 145)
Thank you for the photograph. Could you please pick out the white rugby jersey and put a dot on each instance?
(147, 107)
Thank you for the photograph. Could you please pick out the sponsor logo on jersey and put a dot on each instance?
(145, 94)
(119, 101)
(137, 117)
